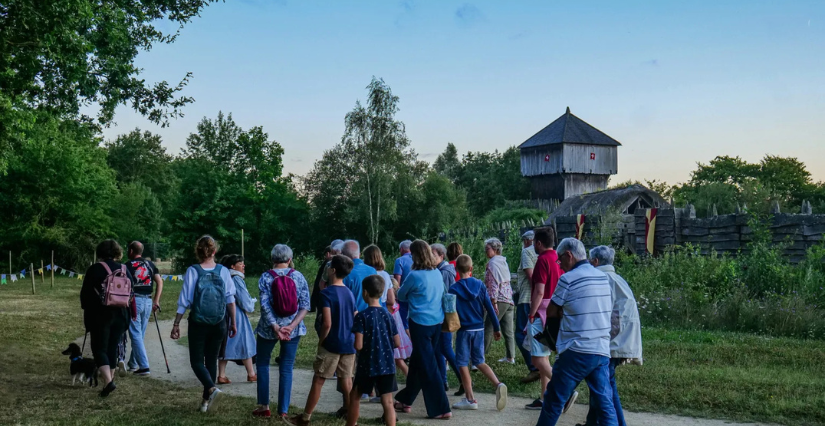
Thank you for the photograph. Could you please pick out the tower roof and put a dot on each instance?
(569, 129)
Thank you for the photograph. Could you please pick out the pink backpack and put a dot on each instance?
(284, 294)
(116, 289)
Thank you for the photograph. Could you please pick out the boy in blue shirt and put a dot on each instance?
(336, 344)
(471, 301)
(375, 337)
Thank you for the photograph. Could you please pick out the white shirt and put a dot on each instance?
(187, 292)
(584, 295)
(626, 328)
(387, 285)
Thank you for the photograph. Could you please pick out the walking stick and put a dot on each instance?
(84, 342)
(168, 371)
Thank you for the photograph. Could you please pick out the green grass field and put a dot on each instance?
(706, 374)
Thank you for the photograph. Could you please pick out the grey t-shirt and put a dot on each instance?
(528, 261)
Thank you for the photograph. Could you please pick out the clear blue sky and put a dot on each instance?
(676, 82)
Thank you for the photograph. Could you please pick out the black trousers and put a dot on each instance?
(106, 328)
(204, 348)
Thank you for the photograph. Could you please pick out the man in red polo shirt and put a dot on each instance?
(546, 274)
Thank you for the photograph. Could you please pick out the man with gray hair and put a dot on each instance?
(402, 268)
(334, 248)
(625, 328)
(582, 300)
(360, 270)
(521, 294)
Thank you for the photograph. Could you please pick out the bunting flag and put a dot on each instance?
(579, 226)
(650, 229)
(63, 271)
(80, 276)
(71, 274)
(40, 271)
(23, 274)
(13, 278)
(3, 279)
(49, 267)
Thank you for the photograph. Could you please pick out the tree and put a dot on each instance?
(140, 158)
(378, 145)
(231, 179)
(447, 163)
(62, 55)
(57, 193)
(491, 179)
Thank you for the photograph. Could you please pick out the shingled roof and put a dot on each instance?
(569, 129)
(622, 200)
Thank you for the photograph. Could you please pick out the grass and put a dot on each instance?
(733, 376)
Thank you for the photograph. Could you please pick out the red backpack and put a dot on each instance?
(284, 294)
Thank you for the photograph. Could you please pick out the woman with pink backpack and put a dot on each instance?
(285, 301)
(105, 297)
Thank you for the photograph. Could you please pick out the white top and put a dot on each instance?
(584, 295)
(187, 292)
(387, 285)
(625, 326)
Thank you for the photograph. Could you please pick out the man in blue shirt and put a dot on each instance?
(360, 270)
(403, 266)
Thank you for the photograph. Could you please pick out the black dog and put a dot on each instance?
(83, 369)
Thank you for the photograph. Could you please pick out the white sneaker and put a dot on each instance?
(501, 396)
(204, 407)
(465, 404)
(570, 402)
(121, 368)
(473, 368)
(211, 403)
(507, 361)
(365, 397)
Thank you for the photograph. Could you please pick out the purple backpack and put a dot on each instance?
(284, 294)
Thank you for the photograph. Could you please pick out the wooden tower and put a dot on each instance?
(567, 158)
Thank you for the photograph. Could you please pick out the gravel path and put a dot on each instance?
(514, 414)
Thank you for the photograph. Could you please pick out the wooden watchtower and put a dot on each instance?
(567, 158)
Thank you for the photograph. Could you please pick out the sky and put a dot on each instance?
(675, 82)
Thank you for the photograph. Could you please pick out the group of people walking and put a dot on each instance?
(431, 313)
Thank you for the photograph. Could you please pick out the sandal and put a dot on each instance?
(445, 416)
(223, 380)
(402, 408)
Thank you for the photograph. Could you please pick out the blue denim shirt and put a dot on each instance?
(268, 316)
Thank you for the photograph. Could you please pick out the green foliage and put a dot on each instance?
(140, 158)
(728, 181)
(64, 54)
(447, 163)
(490, 179)
(230, 179)
(56, 194)
(137, 214)
(514, 214)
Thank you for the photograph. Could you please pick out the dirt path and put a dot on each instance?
(514, 414)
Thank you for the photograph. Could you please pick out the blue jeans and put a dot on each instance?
(522, 314)
(424, 376)
(137, 330)
(287, 355)
(568, 371)
(592, 418)
(447, 352)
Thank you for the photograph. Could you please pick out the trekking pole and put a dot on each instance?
(168, 371)
(84, 343)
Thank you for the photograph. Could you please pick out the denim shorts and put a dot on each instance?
(536, 348)
(469, 348)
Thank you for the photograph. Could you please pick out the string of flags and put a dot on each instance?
(5, 278)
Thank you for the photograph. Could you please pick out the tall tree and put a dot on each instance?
(379, 146)
(140, 158)
(447, 163)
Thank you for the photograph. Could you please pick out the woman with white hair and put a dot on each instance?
(497, 280)
(278, 326)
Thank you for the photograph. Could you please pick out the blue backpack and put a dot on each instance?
(209, 301)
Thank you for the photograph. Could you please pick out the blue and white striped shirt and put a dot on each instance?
(584, 295)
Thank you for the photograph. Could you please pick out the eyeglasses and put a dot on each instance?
(560, 257)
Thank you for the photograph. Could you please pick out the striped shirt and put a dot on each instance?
(584, 295)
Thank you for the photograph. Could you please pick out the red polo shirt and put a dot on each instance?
(546, 272)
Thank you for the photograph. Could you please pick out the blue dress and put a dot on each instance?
(242, 346)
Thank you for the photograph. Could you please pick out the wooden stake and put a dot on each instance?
(42, 273)
(52, 268)
(9, 264)
(241, 242)
(31, 271)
